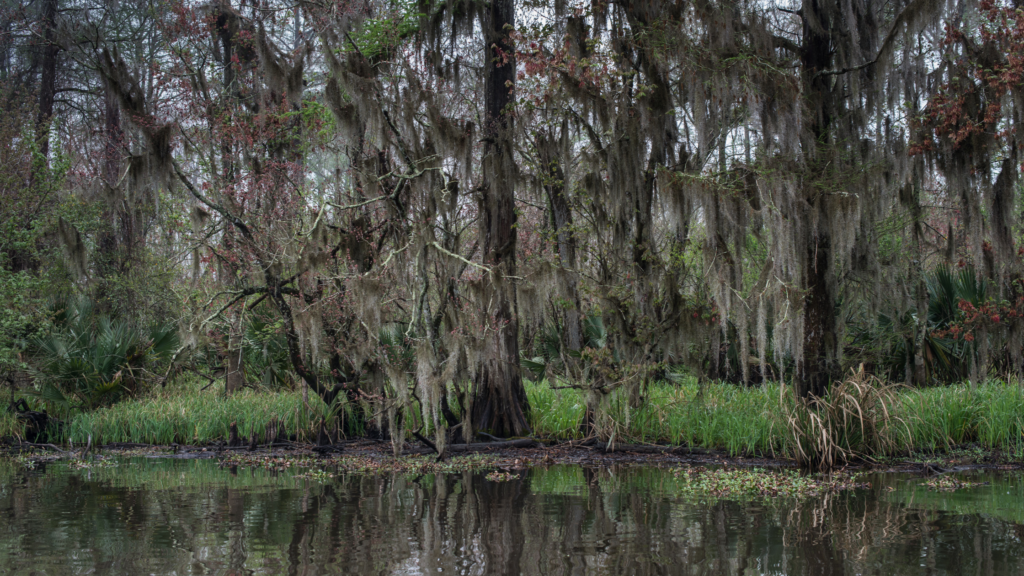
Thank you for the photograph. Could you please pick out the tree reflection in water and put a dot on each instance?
(193, 517)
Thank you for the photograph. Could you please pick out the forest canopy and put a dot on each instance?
(416, 205)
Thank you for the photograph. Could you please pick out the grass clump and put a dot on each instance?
(711, 415)
(187, 415)
(860, 418)
(10, 425)
(855, 420)
(940, 418)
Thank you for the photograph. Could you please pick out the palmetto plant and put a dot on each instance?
(550, 359)
(266, 354)
(889, 340)
(90, 360)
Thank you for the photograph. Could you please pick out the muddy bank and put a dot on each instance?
(509, 455)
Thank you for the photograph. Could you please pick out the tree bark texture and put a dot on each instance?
(561, 217)
(818, 367)
(820, 343)
(48, 77)
(499, 403)
(234, 378)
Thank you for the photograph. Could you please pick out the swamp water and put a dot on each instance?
(168, 516)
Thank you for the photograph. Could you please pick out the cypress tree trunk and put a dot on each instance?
(561, 216)
(499, 403)
(820, 342)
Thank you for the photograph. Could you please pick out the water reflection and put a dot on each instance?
(191, 517)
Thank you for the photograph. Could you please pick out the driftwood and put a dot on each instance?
(428, 443)
(127, 445)
(646, 449)
(35, 445)
(36, 423)
(477, 446)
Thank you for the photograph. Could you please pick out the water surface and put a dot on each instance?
(166, 516)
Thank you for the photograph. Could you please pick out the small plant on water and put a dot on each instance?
(950, 484)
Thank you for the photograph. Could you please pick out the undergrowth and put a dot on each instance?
(855, 419)
(864, 419)
(10, 426)
(186, 414)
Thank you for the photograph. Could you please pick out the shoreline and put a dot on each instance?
(502, 455)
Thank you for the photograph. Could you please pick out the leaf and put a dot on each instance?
(537, 366)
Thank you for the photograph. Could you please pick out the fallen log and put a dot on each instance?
(427, 442)
(648, 449)
(36, 445)
(285, 444)
(476, 446)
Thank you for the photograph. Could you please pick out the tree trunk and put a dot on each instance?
(234, 377)
(561, 217)
(109, 253)
(820, 343)
(500, 404)
(48, 78)
(818, 366)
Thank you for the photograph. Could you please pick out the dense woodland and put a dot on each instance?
(416, 205)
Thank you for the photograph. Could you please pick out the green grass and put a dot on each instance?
(738, 420)
(743, 420)
(186, 415)
(939, 418)
(10, 426)
(735, 419)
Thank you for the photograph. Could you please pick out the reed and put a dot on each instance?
(1001, 417)
(860, 418)
(713, 415)
(10, 426)
(186, 415)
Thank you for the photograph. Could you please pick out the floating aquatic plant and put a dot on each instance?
(759, 483)
(346, 464)
(950, 484)
(316, 475)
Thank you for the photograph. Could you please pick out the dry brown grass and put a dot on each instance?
(854, 421)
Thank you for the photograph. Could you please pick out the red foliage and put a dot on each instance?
(986, 64)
